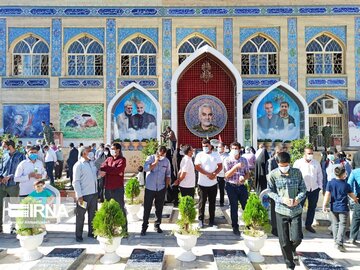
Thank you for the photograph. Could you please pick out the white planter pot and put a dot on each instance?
(30, 246)
(133, 210)
(254, 244)
(186, 243)
(109, 247)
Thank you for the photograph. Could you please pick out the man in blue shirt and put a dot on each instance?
(354, 182)
(8, 187)
(157, 180)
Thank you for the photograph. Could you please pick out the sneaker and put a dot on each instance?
(236, 231)
(158, 229)
(310, 229)
(143, 232)
(13, 230)
(201, 224)
(341, 248)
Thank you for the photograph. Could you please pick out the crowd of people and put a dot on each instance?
(97, 174)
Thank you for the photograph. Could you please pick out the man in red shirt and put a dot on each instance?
(113, 169)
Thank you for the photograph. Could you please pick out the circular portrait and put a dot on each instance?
(205, 116)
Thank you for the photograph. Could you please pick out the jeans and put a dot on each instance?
(149, 197)
(354, 231)
(290, 236)
(187, 192)
(206, 193)
(236, 194)
(339, 226)
(91, 208)
(312, 197)
(221, 183)
(50, 171)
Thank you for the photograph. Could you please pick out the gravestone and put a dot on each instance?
(146, 259)
(61, 259)
(229, 259)
(319, 261)
(166, 214)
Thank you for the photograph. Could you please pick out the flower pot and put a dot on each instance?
(186, 242)
(143, 144)
(268, 145)
(136, 145)
(109, 246)
(126, 145)
(254, 244)
(133, 210)
(30, 244)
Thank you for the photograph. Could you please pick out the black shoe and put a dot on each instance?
(90, 235)
(158, 229)
(275, 233)
(236, 231)
(143, 232)
(79, 239)
(211, 223)
(310, 229)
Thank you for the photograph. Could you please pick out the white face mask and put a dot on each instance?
(181, 152)
(284, 169)
(331, 157)
(161, 158)
(112, 152)
(234, 152)
(91, 156)
(106, 153)
(227, 150)
(205, 149)
(309, 157)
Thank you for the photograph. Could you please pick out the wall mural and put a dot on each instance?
(135, 117)
(205, 116)
(354, 123)
(82, 121)
(278, 117)
(24, 120)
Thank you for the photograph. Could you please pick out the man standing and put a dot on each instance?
(142, 119)
(99, 151)
(327, 132)
(73, 158)
(313, 132)
(287, 189)
(270, 120)
(85, 186)
(170, 135)
(186, 179)
(113, 169)
(206, 117)
(354, 182)
(312, 174)
(8, 187)
(236, 172)
(47, 133)
(60, 162)
(221, 175)
(208, 163)
(158, 179)
(50, 160)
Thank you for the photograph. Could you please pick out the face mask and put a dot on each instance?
(206, 149)
(284, 169)
(112, 152)
(91, 156)
(161, 158)
(33, 156)
(219, 150)
(234, 152)
(106, 153)
(181, 153)
(309, 157)
(6, 151)
(227, 150)
(331, 157)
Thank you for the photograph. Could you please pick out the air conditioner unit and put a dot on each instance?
(330, 106)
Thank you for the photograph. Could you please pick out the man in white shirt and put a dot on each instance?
(186, 179)
(221, 175)
(313, 178)
(50, 160)
(29, 171)
(208, 163)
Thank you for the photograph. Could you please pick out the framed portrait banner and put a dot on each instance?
(354, 123)
(205, 116)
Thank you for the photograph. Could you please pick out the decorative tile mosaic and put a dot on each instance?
(146, 83)
(111, 59)
(166, 68)
(338, 31)
(326, 82)
(228, 39)
(25, 83)
(357, 58)
(155, 93)
(56, 47)
(182, 33)
(69, 33)
(259, 82)
(311, 95)
(249, 94)
(273, 32)
(152, 33)
(80, 83)
(16, 32)
(292, 53)
(3, 47)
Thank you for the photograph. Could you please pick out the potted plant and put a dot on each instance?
(256, 218)
(287, 144)
(30, 232)
(136, 144)
(260, 141)
(118, 140)
(268, 143)
(109, 226)
(60, 185)
(133, 204)
(278, 142)
(186, 235)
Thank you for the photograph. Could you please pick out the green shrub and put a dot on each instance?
(109, 220)
(188, 214)
(297, 149)
(145, 140)
(132, 189)
(127, 140)
(30, 225)
(136, 140)
(255, 216)
(150, 148)
(278, 140)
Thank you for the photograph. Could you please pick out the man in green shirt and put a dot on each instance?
(327, 132)
(313, 132)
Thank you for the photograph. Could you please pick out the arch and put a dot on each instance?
(327, 96)
(261, 34)
(135, 35)
(29, 34)
(195, 34)
(248, 103)
(77, 37)
(287, 89)
(331, 35)
(184, 65)
(118, 97)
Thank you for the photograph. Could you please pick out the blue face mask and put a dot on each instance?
(6, 151)
(33, 156)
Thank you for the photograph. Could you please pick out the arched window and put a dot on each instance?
(190, 46)
(259, 56)
(31, 57)
(316, 107)
(324, 55)
(85, 58)
(138, 58)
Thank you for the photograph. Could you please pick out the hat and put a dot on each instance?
(40, 181)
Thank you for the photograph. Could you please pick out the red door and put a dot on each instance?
(221, 85)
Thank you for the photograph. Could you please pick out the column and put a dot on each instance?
(166, 67)
(292, 53)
